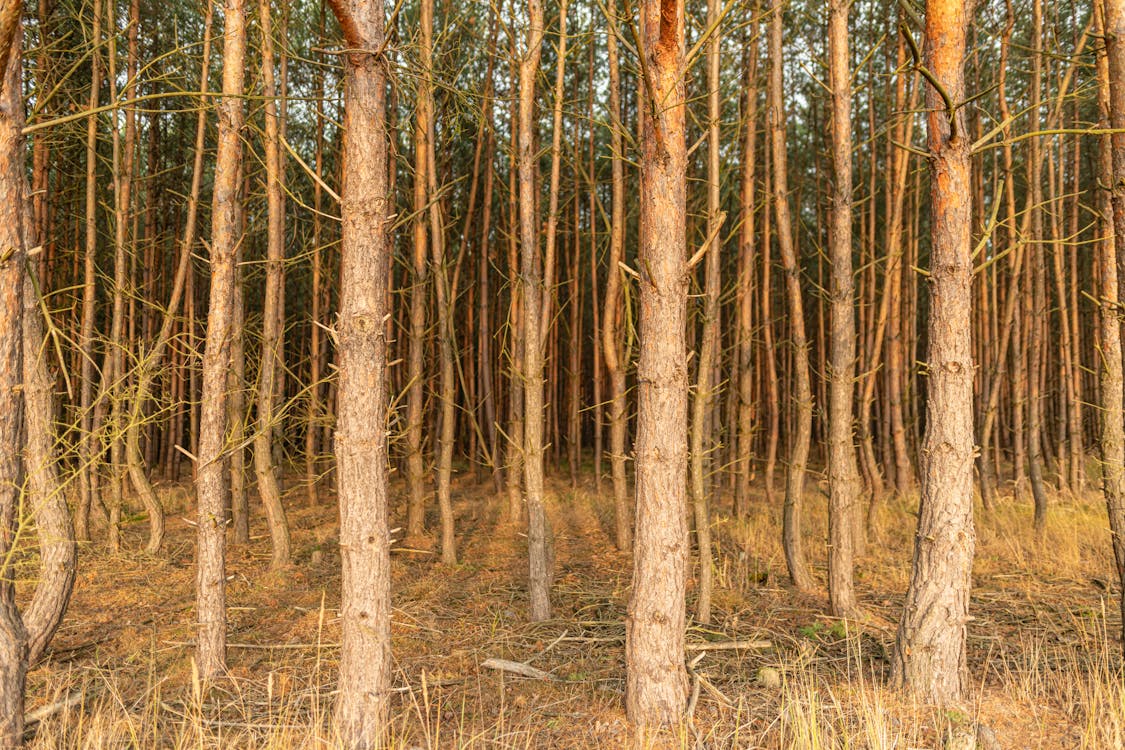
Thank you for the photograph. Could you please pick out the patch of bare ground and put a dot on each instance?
(773, 671)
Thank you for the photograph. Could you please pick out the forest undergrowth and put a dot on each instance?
(772, 671)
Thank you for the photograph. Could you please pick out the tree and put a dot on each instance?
(531, 281)
(656, 684)
(1111, 75)
(843, 474)
(929, 656)
(272, 323)
(361, 447)
(210, 581)
(799, 443)
(25, 413)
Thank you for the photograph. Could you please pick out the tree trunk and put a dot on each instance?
(210, 582)
(703, 405)
(656, 680)
(843, 474)
(613, 351)
(803, 397)
(531, 281)
(272, 323)
(1112, 96)
(361, 447)
(929, 657)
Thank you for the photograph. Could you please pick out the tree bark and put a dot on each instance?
(531, 281)
(843, 473)
(656, 680)
(361, 447)
(929, 657)
(269, 488)
(210, 582)
(803, 397)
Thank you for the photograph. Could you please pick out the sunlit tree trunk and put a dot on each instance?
(656, 684)
(930, 657)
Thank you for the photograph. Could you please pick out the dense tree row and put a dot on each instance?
(710, 252)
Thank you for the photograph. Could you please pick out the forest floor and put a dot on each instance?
(1044, 648)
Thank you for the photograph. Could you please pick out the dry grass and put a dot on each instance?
(1043, 648)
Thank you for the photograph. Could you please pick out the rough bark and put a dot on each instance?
(843, 473)
(361, 448)
(656, 684)
(210, 582)
(929, 657)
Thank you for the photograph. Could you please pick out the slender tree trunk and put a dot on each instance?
(531, 281)
(656, 681)
(746, 241)
(843, 474)
(445, 295)
(803, 397)
(1112, 94)
(415, 386)
(272, 352)
(361, 448)
(613, 352)
(703, 404)
(929, 657)
(210, 582)
(87, 455)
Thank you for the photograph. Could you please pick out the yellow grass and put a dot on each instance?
(1044, 647)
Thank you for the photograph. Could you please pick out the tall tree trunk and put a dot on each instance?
(929, 657)
(361, 448)
(272, 352)
(746, 250)
(803, 397)
(703, 405)
(445, 294)
(210, 582)
(415, 386)
(656, 681)
(612, 346)
(843, 474)
(1112, 95)
(531, 281)
(87, 455)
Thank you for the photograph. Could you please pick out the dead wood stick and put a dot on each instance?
(49, 710)
(729, 645)
(516, 667)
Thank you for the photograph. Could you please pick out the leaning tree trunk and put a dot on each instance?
(656, 681)
(929, 657)
(210, 581)
(361, 446)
